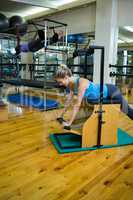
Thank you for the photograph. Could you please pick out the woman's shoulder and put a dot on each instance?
(83, 83)
(84, 80)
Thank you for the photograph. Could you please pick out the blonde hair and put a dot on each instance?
(63, 71)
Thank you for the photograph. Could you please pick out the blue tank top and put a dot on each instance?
(92, 92)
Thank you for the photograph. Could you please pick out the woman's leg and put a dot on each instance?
(115, 94)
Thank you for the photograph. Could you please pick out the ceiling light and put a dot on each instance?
(120, 41)
(33, 11)
(63, 2)
(129, 28)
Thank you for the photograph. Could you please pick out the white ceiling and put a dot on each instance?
(125, 36)
(33, 8)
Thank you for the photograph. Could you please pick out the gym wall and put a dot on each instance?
(79, 20)
(125, 12)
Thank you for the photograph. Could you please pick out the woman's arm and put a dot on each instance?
(67, 102)
(83, 84)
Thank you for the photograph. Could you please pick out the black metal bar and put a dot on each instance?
(100, 111)
(101, 75)
(82, 73)
(85, 66)
(56, 65)
(79, 65)
(43, 28)
(112, 74)
(52, 71)
(12, 64)
(54, 21)
(36, 24)
(46, 19)
(121, 66)
(101, 98)
(96, 47)
(54, 27)
(42, 71)
(34, 64)
(56, 50)
(31, 83)
(33, 31)
(83, 52)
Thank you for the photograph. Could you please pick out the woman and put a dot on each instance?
(86, 90)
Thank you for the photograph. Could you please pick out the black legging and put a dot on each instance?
(115, 94)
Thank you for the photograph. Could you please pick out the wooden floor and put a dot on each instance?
(31, 168)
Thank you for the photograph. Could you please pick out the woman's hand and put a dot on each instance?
(67, 102)
(60, 119)
(66, 125)
(83, 84)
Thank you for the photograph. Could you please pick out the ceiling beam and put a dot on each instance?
(37, 3)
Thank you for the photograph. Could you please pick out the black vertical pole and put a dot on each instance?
(100, 111)
(100, 120)
(85, 66)
(18, 44)
(1, 67)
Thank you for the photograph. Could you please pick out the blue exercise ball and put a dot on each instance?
(71, 38)
(80, 38)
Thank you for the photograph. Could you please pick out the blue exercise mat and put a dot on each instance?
(68, 142)
(32, 101)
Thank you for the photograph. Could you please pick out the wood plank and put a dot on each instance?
(31, 168)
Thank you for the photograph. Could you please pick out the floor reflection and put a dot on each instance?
(12, 108)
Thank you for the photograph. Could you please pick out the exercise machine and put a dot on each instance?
(101, 128)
